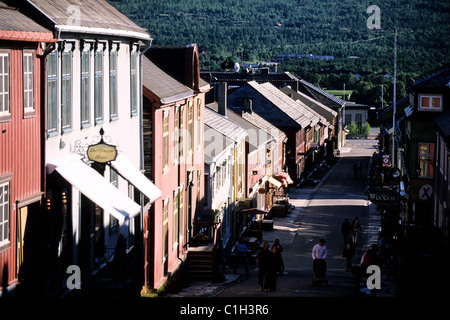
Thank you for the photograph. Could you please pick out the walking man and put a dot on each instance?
(356, 228)
(265, 262)
(319, 254)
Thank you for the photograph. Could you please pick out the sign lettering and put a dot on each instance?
(102, 153)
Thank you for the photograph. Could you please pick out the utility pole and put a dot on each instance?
(395, 99)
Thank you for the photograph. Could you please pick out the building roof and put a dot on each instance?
(220, 133)
(256, 136)
(223, 125)
(87, 16)
(436, 79)
(442, 122)
(296, 108)
(163, 86)
(315, 105)
(181, 63)
(16, 26)
(240, 78)
(321, 95)
(271, 93)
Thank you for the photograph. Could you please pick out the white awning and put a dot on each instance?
(274, 182)
(99, 190)
(129, 171)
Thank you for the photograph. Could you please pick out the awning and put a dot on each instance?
(254, 211)
(129, 171)
(274, 181)
(99, 190)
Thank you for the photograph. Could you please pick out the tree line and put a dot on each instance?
(256, 30)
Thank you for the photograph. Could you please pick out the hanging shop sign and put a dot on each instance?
(102, 152)
(383, 196)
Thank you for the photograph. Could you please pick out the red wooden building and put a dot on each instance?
(23, 46)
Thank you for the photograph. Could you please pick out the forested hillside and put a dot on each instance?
(254, 30)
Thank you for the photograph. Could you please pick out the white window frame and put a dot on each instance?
(66, 87)
(5, 206)
(5, 112)
(430, 108)
(52, 97)
(28, 82)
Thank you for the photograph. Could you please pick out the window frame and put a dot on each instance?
(28, 57)
(426, 158)
(5, 242)
(430, 108)
(85, 85)
(66, 87)
(5, 95)
(52, 97)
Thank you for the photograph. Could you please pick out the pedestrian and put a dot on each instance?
(348, 253)
(356, 228)
(355, 170)
(274, 269)
(369, 258)
(278, 257)
(265, 261)
(346, 228)
(319, 254)
(241, 256)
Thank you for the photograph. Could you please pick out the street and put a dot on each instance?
(338, 196)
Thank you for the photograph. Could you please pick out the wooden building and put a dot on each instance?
(174, 101)
(23, 47)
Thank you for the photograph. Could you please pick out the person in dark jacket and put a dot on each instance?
(265, 262)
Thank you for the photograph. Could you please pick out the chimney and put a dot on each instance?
(222, 98)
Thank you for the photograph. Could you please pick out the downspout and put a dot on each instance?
(144, 238)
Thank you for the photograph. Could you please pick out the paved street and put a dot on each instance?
(319, 213)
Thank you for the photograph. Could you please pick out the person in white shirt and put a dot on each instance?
(319, 254)
(320, 251)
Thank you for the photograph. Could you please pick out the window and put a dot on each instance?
(86, 85)
(4, 214)
(134, 80)
(113, 113)
(176, 149)
(181, 133)
(358, 120)
(426, 160)
(4, 85)
(28, 82)
(176, 226)
(52, 93)
(199, 123)
(165, 239)
(66, 88)
(180, 213)
(190, 127)
(98, 84)
(430, 102)
(165, 141)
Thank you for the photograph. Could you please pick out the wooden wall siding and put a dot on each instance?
(20, 152)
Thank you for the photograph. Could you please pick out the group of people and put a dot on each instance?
(270, 262)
